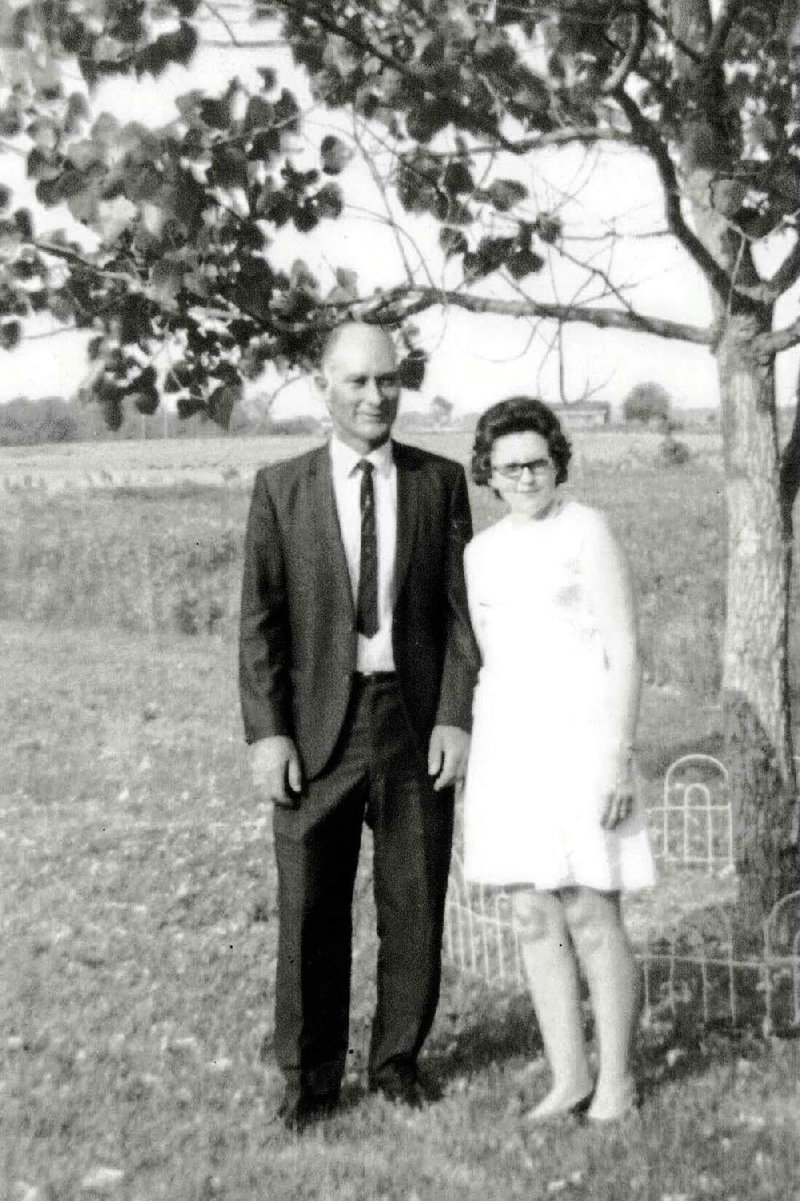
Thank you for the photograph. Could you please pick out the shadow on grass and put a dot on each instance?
(689, 1031)
(654, 760)
(488, 1028)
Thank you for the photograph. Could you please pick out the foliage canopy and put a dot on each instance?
(180, 221)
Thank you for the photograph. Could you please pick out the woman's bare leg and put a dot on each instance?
(552, 973)
(594, 920)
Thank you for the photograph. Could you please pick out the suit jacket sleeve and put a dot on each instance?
(264, 657)
(461, 657)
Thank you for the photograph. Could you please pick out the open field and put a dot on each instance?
(137, 890)
(167, 555)
(221, 460)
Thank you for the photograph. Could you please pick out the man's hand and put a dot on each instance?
(447, 756)
(277, 775)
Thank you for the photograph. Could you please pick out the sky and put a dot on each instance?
(474, 360)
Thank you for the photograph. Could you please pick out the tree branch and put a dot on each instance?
(630, 61)
(780, 339)
(418, 79)
(648, 138)
(135, 284)
(658, 19)
(72, 256)
(553, 137)
(348, 35)
(600, 274)
(722, 27)
(9, 148)
(215, 12)
(381, 189)
(787, 274)
(270, 44)
(395, 305)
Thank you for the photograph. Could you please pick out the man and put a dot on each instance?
(357, 665)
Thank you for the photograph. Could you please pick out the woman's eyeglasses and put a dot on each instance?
(513, 471)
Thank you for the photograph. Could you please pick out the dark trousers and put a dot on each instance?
(377, 775)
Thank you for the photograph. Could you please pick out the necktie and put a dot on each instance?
(367, 599)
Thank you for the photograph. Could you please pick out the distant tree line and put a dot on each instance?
(26, 422)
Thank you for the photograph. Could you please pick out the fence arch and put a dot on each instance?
(693, 825)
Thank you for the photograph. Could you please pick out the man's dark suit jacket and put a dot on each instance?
(298, 627)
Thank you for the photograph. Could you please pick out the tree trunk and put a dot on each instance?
(758, 734)
(755, 683)
(790, 470)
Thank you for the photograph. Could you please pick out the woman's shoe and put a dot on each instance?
(617, 1105)
(558, 1104)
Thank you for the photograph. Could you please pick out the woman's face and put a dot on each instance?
(523, 473)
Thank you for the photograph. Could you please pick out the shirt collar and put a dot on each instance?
(345, 460)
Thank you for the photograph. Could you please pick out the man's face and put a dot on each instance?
(359, 384)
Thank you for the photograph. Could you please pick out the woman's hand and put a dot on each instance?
(620, 801)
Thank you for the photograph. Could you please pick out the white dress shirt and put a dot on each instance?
(373, 654)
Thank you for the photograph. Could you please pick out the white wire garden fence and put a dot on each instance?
(700, 963)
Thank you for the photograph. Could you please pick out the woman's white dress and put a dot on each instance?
(542, 759)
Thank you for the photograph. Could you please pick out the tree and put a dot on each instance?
(26, 422)
(459, 96)
(441, 411)
(647, 402)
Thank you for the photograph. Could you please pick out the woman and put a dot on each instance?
(549, 799)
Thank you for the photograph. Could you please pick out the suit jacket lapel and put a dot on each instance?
(329, 546)
(407, 502)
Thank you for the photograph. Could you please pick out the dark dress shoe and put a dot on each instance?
(400, 1084)
(297, 1111)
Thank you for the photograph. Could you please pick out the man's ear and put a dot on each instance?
(320, 381)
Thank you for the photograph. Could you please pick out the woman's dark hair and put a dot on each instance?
(518, 415)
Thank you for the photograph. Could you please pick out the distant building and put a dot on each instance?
(590, 415)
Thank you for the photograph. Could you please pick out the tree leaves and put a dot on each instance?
(228, 167)
(221, 403)
(505, 193)
(334, 155)
(115, 217)
(328, 201)
(523, 262)
(10, 334)
(428, 118)
(411, 370)
(186, 8)
(216, 113)
(134, 318)
(186, 218)
(259, 113)
(452, 241)
(457, 178)
(493, 253)
(187, 406)
(143, 391)
(176, 47)
(287, 111)
(24, 223)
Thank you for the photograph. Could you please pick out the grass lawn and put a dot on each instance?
(138, 944)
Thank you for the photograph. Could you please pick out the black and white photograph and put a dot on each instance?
(399, 635)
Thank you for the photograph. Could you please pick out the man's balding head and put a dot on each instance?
(349, 332)
(357, 379)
